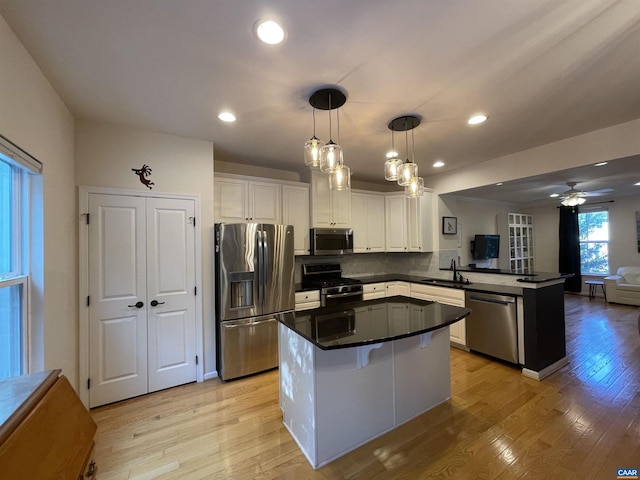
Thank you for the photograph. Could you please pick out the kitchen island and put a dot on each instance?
(350, 373)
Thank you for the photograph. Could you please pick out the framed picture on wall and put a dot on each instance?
(449, 225)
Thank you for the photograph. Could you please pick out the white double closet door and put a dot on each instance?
(142, 328)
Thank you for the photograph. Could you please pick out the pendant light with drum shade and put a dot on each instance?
(312, 147)
(393, 163)
(407, 172)
(331, 158)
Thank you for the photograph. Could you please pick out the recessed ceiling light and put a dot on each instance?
(637, 184)
(269, 32)
(227, 117)
(476, 119)
(600, 164)
(499, 183)
(392, 154)
(438, 164)
(554, 195)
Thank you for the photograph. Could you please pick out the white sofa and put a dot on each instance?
(624, 287)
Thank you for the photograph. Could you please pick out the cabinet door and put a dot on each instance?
(420, 224)
(231, 200)
(360, 224)
(341, 208)
(295, 211)
(264, 202)
(320, 201)
(375, 223)
(396, 216)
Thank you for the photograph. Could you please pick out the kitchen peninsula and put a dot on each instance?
(352, 372)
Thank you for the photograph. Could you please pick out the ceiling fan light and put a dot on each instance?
(573, 200)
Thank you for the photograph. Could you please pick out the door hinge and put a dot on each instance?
(195, 290)
(88, 300)
(88, 384)
(192, 220)
(86, 217)
(196, 359)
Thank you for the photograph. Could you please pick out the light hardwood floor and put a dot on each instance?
(582, 422)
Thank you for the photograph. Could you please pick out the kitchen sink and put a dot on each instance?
(445, 282)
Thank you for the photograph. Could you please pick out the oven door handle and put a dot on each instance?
(349, 294)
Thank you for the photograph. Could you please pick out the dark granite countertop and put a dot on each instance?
(373, 321)
(540, 277)
(474, 286)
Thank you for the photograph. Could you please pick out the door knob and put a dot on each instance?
(137, 305)
(155, 303)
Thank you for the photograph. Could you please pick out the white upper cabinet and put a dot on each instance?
(396, 222)
(409, 223)
(368, 222)
(420, 223)
(295, 211)
(329, 208)
(238, 200)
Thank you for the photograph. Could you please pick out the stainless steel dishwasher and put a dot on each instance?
(492, 327)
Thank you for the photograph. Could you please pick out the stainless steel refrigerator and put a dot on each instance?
(254, 284)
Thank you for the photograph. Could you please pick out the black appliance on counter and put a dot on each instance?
(334, 288)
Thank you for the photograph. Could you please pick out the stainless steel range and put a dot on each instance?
(334, 288)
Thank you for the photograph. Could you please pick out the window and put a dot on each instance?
(15, 167)
(594, 242)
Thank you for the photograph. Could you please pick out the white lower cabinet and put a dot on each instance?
(448, 296)
(307, 300)
(371, 291)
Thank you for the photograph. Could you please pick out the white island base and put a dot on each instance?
(333, 401)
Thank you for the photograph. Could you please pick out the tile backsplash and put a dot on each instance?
(364, 264)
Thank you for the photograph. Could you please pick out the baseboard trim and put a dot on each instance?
(545, 372)
(210, 375)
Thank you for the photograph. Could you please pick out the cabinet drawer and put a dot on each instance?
(449, 296)
(307, 300)
(372, 291)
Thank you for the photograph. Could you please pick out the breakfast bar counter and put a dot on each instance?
(353, 372)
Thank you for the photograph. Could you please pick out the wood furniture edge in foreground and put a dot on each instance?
(53, 439)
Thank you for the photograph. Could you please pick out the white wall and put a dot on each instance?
(478, 216)
(33, 116)
(623, 236)
(546, 243)
(609, 143)
(105, 155)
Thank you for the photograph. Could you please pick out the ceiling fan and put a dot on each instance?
(574, 197)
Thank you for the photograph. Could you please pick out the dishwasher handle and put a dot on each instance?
(491, 300)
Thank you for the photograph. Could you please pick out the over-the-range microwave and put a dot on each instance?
(331, 241)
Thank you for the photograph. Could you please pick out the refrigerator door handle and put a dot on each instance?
(265, 260)
(260, 269)
(263, 320)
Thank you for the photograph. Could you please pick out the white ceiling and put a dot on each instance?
(543, 70)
